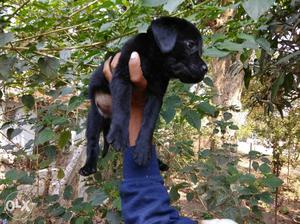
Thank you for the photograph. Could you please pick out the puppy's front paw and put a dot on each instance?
(118, 137)
(142, 154)
(162, 166)
(87, 170)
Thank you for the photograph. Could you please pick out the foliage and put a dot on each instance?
(49, 48)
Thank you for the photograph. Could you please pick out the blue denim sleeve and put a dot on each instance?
(144, 198)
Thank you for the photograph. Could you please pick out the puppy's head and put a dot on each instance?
(180, 43)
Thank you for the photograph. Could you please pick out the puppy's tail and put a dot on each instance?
(105, 147)
(106, 144)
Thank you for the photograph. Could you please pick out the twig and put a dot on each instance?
(46, 33)
(18, 9)
(23, 56)
(194, 7)
(83, 8)
(19, 147)
(13, 109)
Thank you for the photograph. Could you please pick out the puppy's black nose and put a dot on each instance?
(204, 68)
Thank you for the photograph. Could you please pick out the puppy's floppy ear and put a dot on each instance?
(164, 34)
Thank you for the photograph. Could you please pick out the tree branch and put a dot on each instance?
(96, 44)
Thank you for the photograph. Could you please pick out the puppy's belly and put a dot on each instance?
(103, 103)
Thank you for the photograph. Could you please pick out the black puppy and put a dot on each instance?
(171, 48)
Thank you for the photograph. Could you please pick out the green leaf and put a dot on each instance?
(227, 116)
(233, 127)
(75, 102)
(255, 8)
(28, 101)
(105, 26)
(68, 192)
(98, 197)
(60, 174)
(11, 132)
(247, 77)
(15, 174)
(250, 45)
(247, 37)
(5, 38)
(8, 193)
(255, 165)
(272, 181)
(168, 114)
(286, 59)
(231, 46)
(51, 198)
(194, 178)
(6, 66)
(153, 3)
(39, 220)
(65, 54)
(264, 44)
(208, 81)
(169, 109)
(67, 216)
(59, 211)
(80, 220)
(27, 179)
(192, 117)
(60, 121)
(173, 101)
(50, 152)
(190, 196)
(64, 138)
(172, 5)
(214, 52)
(113, 218)
(247, 178)
(174, 195)
(44, 136)
(265, 168)
(49, 66)
(266, 197)
(207, 108)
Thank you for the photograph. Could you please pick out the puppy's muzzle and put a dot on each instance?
(191, 74)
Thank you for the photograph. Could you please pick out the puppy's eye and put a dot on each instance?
(190, 44)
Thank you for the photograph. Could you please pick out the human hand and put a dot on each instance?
(139, 91)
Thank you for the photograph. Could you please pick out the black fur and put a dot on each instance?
(171, 48)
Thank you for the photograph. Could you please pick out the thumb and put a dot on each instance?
(135, 70)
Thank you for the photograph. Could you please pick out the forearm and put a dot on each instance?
(135, 123)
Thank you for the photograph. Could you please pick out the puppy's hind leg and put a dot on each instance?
(95, 124)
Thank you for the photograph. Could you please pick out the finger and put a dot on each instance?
(115, 61)
(136, 73)
(106, 70)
